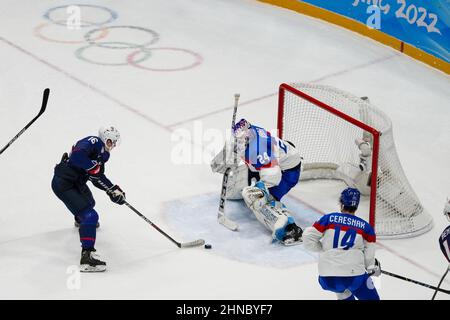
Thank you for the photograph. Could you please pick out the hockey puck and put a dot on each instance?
(208, 246)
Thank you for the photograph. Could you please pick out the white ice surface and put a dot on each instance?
(246, 47)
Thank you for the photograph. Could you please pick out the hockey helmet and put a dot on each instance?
(350, 198)
(242, 133)
(447, 209)
(109, 133)
(241, 130)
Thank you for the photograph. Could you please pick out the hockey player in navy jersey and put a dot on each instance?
(86, 162)
(444, 239)
(346, 244)
(270, 168)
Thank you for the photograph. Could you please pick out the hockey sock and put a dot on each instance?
(88, 228)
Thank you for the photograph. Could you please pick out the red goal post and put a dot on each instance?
(324, 123)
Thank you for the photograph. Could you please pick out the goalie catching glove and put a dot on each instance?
(116, 194)
(225, 159)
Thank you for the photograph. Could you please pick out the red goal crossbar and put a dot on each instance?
(375, 133)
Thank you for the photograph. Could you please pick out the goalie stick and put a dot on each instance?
(221, 218)
(194, 243)
(43, 106)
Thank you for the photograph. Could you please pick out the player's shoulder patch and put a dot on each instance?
(322, 224)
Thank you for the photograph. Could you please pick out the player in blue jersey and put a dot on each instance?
(444, 239)
(346, 244)
(270, 167)
(86, 162)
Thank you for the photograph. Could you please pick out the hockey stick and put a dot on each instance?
(221, 218)
(440, 282)
(194, 243)
(44, 105)
(414, 281)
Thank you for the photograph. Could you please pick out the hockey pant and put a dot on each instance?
(289, 178)
(349, 288)
(80, 202)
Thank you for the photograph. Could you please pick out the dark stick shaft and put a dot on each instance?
(440, 282)
(152, 224)
(414, 281)
(179, 244)
(41, 111)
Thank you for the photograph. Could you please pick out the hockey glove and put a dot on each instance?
(374, 270)
(64, 158)
(223, 160)
(116, 194)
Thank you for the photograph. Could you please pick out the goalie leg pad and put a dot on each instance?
(254, 198)
(273, 214)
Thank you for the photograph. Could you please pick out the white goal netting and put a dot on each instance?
(335, 148)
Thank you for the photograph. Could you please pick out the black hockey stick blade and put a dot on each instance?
(41, 111)
(44, 101)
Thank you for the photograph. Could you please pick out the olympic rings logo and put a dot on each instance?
(97, 38)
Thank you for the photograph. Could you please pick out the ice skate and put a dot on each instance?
(90, 261)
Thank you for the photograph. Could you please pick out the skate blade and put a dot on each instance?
(292, 243)
(88, 268)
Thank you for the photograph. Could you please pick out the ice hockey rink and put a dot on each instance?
(202, 53)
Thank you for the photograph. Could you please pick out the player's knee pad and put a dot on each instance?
(237, 181)
(346, 295)
(88, 216)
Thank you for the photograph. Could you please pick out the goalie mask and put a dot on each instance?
(242, 133)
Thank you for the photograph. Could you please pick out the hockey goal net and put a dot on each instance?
(344, 137)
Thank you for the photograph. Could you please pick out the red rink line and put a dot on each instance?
(95, 89)
(153, 121)
(87, 85)
(331, 75)
(395, 253)
(169, 127)
(221, 110)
